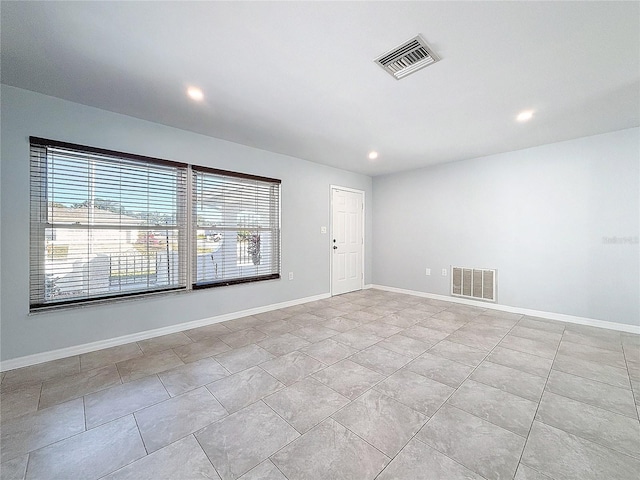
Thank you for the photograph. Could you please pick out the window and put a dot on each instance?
(236, 227)
(107, 224)
(104, 224)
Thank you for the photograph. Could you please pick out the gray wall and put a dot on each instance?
(305, 208)
(538, 215)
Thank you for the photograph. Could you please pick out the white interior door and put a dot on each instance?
(347, 244)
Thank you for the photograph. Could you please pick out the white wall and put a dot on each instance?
(538, 215)
(305, 208)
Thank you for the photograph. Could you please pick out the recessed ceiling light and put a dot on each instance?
(373, 155)
(525, 116)
(195, 93)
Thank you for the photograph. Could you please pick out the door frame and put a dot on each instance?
(330, 243)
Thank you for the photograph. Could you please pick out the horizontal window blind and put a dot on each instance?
(236, 227)
(104, 224)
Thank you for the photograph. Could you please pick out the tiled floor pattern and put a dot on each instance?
(369, 385)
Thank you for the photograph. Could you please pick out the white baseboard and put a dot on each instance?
(113, 342)
(561, 317)
(34, 359)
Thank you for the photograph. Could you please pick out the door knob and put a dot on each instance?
(335, 247)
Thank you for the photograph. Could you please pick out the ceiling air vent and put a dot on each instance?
(409, 57)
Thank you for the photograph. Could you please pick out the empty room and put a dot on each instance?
(320, 240)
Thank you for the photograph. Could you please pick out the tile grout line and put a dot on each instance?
(350, 401)
(135, 411)
(544, 388)
(453, 393)
(428, 446)
(204, 451)
(436, 411)
(300, 435)
(445, 401)
(430, 417)
(585, 402)
(633, 390)
(594, 406)
(26, 468)
(608, 447)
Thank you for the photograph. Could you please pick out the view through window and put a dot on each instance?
(108, 224)
(236, 227)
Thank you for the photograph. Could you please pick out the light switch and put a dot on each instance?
(323, 229)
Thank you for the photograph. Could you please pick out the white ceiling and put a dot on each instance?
(298, 77)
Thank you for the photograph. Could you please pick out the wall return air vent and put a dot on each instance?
(407, 58)
(475, 283)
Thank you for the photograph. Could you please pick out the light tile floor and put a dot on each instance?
(368, 385)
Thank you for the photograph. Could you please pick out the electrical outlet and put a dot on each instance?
(323, 229)
(290, 275)
(444, 272)
(427, 271)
